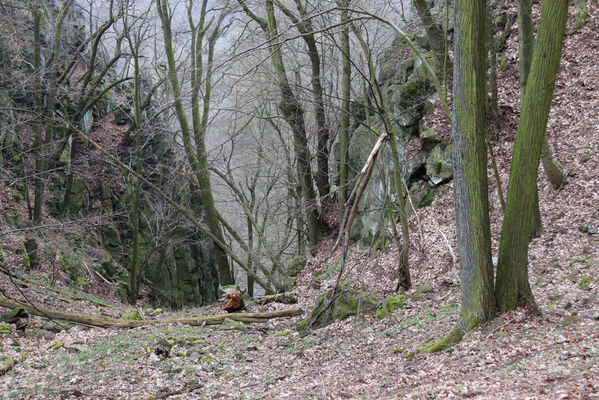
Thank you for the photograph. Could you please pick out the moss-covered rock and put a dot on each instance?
(122, 114)
(439, 164)
(427, 198)
(389, 305)
(429, 139)
(347, 303)
(132, 315)
(31, 247)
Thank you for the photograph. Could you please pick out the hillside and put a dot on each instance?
(515, 356)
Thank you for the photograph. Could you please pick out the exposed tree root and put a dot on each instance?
(121, 323)
(454, 337)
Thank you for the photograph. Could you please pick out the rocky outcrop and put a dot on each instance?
(83, 188)
(426, 160)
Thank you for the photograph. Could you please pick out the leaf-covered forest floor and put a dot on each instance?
(516, 356)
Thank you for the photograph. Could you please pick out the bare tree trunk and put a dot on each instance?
(294, 116)
(512, 286)
(304, 25)
(435, 37)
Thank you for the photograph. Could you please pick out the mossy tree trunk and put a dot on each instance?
(493, 106)
(469, 132)
(470, 163)
(526, 46)
(345, 110)
(37, 139)
(197, 158)
(512, 286)
(135, 40)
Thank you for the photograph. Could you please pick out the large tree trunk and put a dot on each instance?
(512, 286)
(469, 130)
(470, 163)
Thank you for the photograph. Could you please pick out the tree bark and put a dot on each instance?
(470, 163)
(512, 286)
(469, 130)
(345, 112)
(37, 139)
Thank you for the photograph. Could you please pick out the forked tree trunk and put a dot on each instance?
(512, 286)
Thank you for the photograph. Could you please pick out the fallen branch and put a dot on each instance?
(122, 323)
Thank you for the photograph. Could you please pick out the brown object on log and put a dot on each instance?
(123, 323)
(235, 301)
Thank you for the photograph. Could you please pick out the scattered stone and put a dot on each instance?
(162, 347)
(5, 328)
(569, 320)
(230, 324)
(429, 139)
(56, 327)
(56, 345)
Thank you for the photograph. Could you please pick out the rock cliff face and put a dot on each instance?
(85, 190)
(426, 160)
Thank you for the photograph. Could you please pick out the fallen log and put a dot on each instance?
(123, 323)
